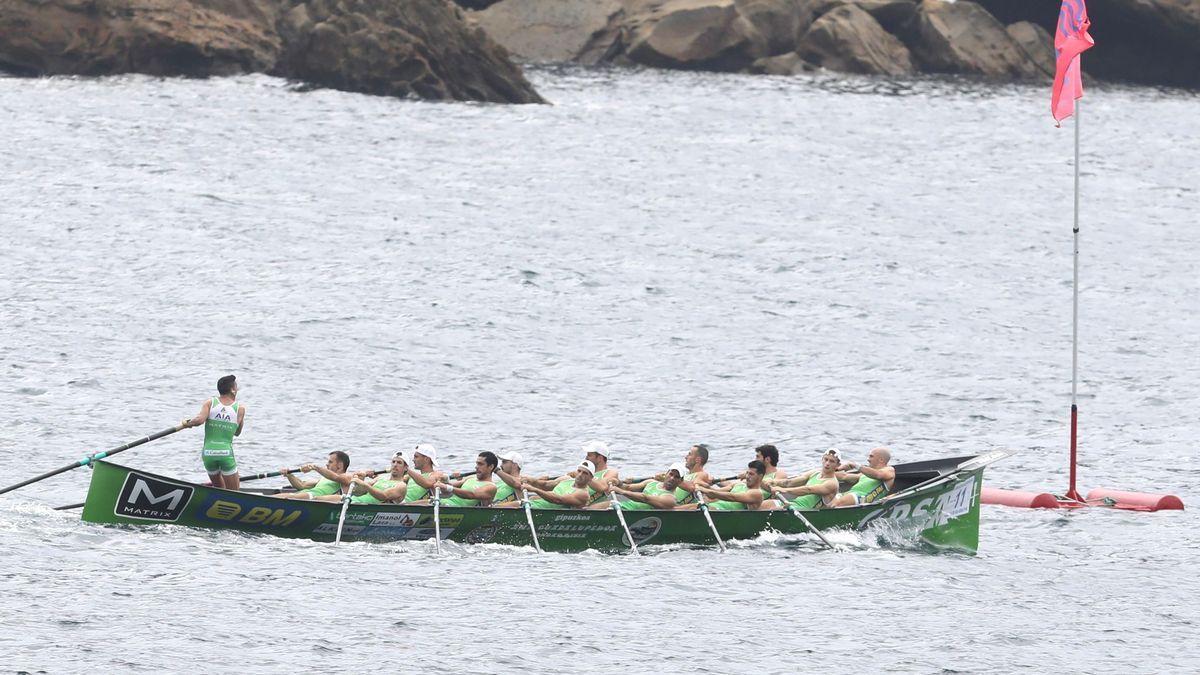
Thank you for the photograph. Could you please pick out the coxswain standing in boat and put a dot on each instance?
(566, 493)
(509, 474)
(872, 483)
(648, 494)
(478, 490)
(223, 419)
(810, 490)
(385, 489)
(331, 483)
(745, 494)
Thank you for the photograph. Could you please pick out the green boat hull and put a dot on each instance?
(941, 506)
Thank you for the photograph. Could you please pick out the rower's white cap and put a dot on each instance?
(679, 469)
(427, 450)
(598, 447)
(588, 467)
(401, 455)
(514, 457)
(835, 452)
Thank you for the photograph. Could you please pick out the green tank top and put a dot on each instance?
(809, 501)
(730, 506)
(415, 491)
(652, 488)
(504, 491)
(469, 484)
(563, 488)
(220, 428)
(381, 484)
(871, 489)
(324, 487)
(594, 496)
(683, 496)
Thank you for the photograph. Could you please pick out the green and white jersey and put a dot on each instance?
(220, 428)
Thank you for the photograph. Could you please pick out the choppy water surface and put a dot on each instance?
(657, 259)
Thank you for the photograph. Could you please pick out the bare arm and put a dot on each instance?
(296, 482)
(483, 492)
(792, 482)
(886, 474)
(341, 478)
(576, 498)
(241, 420)
(701, 478)
(395, 492)
(424, 482)
(200, 416)
(829, 486)
(751, 496)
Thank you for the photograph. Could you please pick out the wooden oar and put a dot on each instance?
(708, 517)
(529, 517)
(437, 519)
(88, 460)
(342, 518)
(621, 517)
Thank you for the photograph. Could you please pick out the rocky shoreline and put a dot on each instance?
(407, 48)
(1148, 41)
(435, 49)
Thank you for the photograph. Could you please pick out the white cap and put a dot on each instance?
(427, 450)
(513, 456)
(588, 467)
(400, 455)
(598, 447)
(678, 468)
(835, 453)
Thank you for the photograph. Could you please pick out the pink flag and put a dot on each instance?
(1070, 40)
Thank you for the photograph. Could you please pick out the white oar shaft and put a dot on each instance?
(811, 528)
(342, 518)
(708, 516)
(437, 519)
(529, 516)
(624, 526)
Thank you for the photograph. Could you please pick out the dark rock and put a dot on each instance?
(582, 31)
(777, 21)
(849, 40)
(1036, 42)
(961, 37)
(695, 34)
(783, 64)
(391, 47)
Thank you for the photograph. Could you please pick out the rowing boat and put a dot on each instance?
(936, 500)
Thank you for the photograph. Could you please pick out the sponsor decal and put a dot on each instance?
(226, 509)
(146, 498)
(331, 528)
(482, 535)
(394, 520)
(643, 529)
(930, 511)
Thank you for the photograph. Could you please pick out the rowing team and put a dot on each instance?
(498, 482)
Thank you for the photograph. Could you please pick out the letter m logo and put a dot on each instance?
(146, 498)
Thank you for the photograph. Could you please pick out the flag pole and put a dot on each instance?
(1073, 493)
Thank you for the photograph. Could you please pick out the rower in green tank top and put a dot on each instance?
(597, 453)
(480, 488)
(873, 482)
(223, 419)
(423, 474)
(745, 494)
(812, 489)
(695, 461)
(648, 494)
(509, 485)
(565, 494)
(386, 489)
(333, 478)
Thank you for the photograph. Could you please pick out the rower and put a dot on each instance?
(648, 494)
(817, 488)
(597, 453)
(223, 419)
(872, 483)
(769, 455)
(423, 474)
(333, 478)
(510, 479)
(566, 494)
(385, 489)
(695, 460)
(477, 489)
(745, 494)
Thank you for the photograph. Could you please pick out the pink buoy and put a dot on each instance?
(1025, 500)
(1141, 501)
